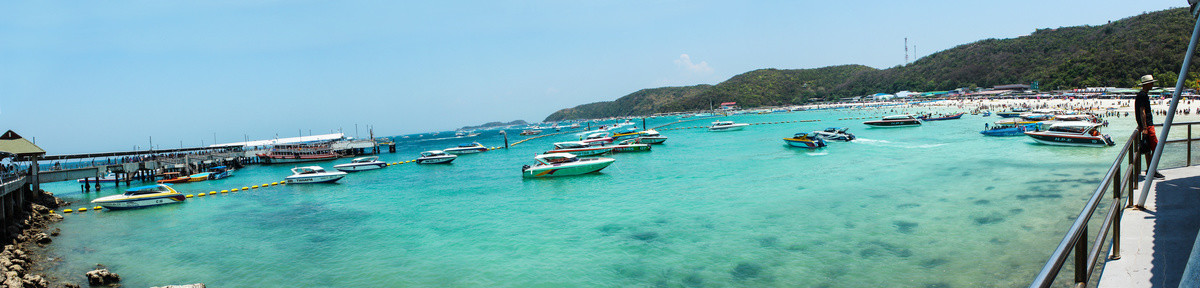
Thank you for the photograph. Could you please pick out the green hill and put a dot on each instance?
(1114, 54)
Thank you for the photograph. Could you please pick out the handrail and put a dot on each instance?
(1071, 242)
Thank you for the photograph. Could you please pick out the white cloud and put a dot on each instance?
(685, 61)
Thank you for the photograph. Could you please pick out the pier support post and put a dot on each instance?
(505, 140)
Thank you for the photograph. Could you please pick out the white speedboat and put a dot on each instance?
(467, 148)
(579, 148)
(563, 164)
(1072, 134)
(650, 137)
(629, 145)
(436, 157)
(361, 164)
(835, 134)
(895, 121)
(598, 138)
(313, 174)
(145, 196)
(726, 126)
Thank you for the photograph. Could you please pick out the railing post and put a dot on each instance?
(1116, 224)
(1081, 255)
(1133, 164)
(1189, 145)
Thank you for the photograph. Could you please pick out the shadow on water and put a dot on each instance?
(1178, 221)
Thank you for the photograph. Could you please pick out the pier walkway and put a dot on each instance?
(1156, 242)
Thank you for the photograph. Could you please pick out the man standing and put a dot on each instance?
(1145, 122)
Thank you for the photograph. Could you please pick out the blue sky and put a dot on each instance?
(88, 76)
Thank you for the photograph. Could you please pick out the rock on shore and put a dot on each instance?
(102, 277)
(28, 229)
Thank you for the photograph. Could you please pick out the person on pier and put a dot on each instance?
(1145, 122)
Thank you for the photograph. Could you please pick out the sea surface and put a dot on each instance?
(932, 206)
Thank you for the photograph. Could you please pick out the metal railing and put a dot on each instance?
(1122, 184)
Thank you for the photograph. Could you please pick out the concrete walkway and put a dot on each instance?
(1156, 243)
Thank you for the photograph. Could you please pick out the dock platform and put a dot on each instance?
(1157, 242)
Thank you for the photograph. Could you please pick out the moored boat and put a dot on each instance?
(726, 126)
(563, 164)
(1075, 133)
(199, 177)
(598, 139)
(173, 177)
(220, 172)
(895, 121)
(530, 132)
(299, 152)
(313, 174)
(466, 148)
(630, 145)
(1012, 127)
(650, 137)
(436, 157)
(361, 164)
(940, 118)
(1012, 113)
(802, 140)
(579, 148)
(144, 196)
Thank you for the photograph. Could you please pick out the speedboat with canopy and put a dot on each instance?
(579, 148)
(313, 174)
(835, 134)
(1076, 133)
(563, 164)
(726, 126)
(144, 196)
(361, 164)
(466, 148)
(436, 157)
(895, 121)
(650, 137)
(802, 140)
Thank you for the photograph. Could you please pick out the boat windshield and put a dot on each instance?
(146, 190)
(898, 117)
(1070, 129)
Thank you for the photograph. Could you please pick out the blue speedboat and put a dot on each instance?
(1010, 128)
(220, 172)
(802, 140)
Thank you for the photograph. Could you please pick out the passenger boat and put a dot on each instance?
(630, 145)
(220, 172)
(531, 132)
(199, 177)
(1010, 128)
(598, 139)
(805, 140)
(466, 148)
(931, 118)
(895, 121)
(650, 137)
(436, 157)
(299, 152)
(361, 164)
(563, 164)
(835, 134)
(1072, 134)
(579, 148)
(145, 196)
(1012, 113)
(313, 174)
(726, 126)
(174, 177)
(110, 177)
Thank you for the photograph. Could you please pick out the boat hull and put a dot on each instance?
(134, 203)
(458, 151)
(174, 180)
(435, 160)
(330, 178)
(1009, 114)
(570, 169)
(804, 143)
(1003, 132)
(951, 117)
(893, 123)
(631, 148)
(1070, 140)
(727, 128)
(355, 167)
(651, 140)
(222, 175)
(279, 160)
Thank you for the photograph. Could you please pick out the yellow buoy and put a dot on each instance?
(245, 188)
(265, 185)
(67, 211)
(224, 191)
(233, 190)
(274, 183)
(254, 187)
(97, 208)
(200, 195)
(212, 192)
(189, 196)
(83, 209)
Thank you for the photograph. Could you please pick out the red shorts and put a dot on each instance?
(1149, 140)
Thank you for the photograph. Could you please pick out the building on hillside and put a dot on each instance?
(1014, 87)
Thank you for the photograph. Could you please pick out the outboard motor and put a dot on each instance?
(1108, 140)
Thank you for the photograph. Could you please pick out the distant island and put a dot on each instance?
(494, 124)
(1113, 54)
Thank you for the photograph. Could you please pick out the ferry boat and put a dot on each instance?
(313, 174)
(299, 152)
(361, 164)
(1072, 134)
(144, 196)
(805, 141)
(650, 137)
(174, 177)
(466, 148)
(579, 148)
(563, 164)
(726, 126)
(835, 134)
(950, 117)
(895, 121)
(436, 157)
(220, 172)
(598, 139)
(630, 145)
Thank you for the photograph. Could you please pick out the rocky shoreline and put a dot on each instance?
(30, 229)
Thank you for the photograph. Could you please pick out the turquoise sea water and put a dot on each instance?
(931, 206)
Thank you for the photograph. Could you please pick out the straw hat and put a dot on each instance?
(1147, 79)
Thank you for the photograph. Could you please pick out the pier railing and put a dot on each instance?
(1122, 180)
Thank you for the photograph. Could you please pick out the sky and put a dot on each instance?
(95, 76)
